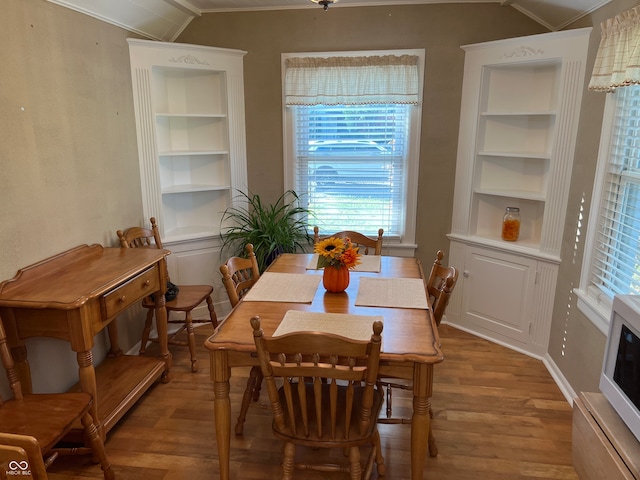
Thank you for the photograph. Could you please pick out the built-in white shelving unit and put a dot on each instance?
(518, 123)
(189, 106)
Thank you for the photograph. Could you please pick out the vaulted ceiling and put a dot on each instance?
(165, 19)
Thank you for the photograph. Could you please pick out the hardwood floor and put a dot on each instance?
(497, 415)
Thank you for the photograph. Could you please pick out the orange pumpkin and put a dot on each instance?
(335, 279)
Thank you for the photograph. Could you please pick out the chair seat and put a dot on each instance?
(355, 436)
(189, 297)
(43, 416)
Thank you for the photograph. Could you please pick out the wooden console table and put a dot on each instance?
(603, 446)
(76, 294)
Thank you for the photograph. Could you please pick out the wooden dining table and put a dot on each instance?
(411, 345)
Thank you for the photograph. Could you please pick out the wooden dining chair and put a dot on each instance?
(439, 287)
(32, 426)
(188, 298)
(442, 281)
(238, 276)
(328, 398)
(358, 239)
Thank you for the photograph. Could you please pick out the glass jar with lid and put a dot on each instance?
(511, 224)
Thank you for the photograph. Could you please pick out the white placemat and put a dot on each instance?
(284, 287)
(392, 292)
(356, 327)
(368, 263)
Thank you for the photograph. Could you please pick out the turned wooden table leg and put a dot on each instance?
(421, 420)
(114, 341)
(220, 374)
(87, 374)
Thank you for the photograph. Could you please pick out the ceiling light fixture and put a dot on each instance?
(325, 3)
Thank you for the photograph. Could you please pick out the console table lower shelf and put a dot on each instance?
(121, 381)
(603, 447)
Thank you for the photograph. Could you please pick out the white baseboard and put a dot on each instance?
(560, 379)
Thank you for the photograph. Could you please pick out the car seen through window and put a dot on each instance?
(351, 167)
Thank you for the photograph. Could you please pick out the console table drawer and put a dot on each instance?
(130, 292)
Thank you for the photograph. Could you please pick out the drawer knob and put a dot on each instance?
(122, 298)
(147, 283)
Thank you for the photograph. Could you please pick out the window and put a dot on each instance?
(350, 161)
(355, 165)
(613, 245)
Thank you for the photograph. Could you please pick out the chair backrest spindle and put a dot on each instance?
(9, 366)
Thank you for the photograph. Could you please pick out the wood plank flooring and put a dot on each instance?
(497, 415)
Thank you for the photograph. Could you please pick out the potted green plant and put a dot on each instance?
(280, 227)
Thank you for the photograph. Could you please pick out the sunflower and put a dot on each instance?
(329, 251)
(337, 252)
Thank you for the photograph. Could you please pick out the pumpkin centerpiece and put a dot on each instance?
(336, 256)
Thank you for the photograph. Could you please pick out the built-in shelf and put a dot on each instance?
(519, 194)
(514, 154)
(193, 188)
(507, 113)
(189, 106)
(190, 116)
(175, 153)
(518, 124)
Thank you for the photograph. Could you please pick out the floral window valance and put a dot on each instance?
(351, 80)
(618, 59)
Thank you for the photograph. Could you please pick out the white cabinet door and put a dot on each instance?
(497, 291)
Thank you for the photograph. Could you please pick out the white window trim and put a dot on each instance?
(408, 240)
(591, 301)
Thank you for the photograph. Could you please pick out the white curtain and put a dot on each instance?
(618, 59)
(351, 80)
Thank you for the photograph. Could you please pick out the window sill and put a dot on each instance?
(598, 311)
(391, 249)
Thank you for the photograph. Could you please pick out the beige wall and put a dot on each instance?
(68, 150)
(68, 153)
(439, 29)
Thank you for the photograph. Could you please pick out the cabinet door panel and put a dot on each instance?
(497, 292)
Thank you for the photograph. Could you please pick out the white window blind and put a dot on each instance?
(616, 260)
(351, 160)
